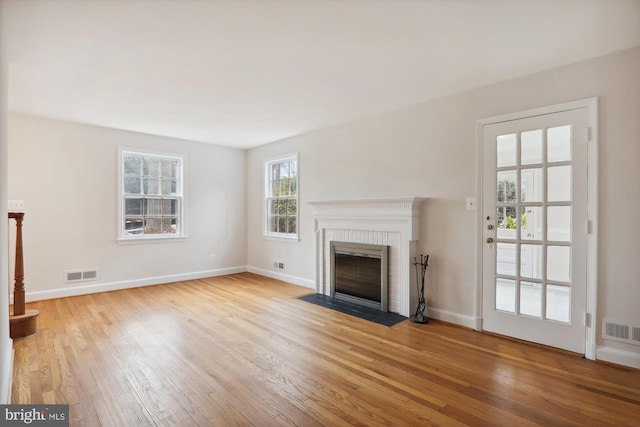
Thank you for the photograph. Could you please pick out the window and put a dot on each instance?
(151, 195)
(281, 180)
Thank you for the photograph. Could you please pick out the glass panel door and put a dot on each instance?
(534, 273)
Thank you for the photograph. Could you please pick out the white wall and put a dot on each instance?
(6, 349)
(67, 176)
(430, 150)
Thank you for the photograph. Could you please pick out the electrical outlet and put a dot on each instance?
(212, 257)
(16, 205)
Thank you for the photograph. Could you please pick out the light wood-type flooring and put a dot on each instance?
(242, 350)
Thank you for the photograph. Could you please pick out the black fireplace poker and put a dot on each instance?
(422, 305)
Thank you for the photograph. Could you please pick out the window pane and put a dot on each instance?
(559, 184)
(558, 303)
(531, 261)
(282, 224)
(294, 186)
(506, 187)
(506, 295)
(284, 187)
(151, 186)
(169, 168)
(168, 226)
(170, 207)
(151, 167)
(559, 223)
(506, 222)
(153, 226)
(291, 207)
(133, 226)
(154, 207)
(132, 165)
(531, 223)
(531, 147)
(506, 259)
(291, 225)
(506, 150)
(559, 263)
(169, 186)
(559, 144)
(531, 299)
(132, 185)
(531, 185)
(133, 207)
(284, 170)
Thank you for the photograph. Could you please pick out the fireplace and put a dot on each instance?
(359, 274)
(391, 222)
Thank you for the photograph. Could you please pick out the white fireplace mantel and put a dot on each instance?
(394, 222)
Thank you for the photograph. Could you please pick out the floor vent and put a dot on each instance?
(622, 332)
(81, 275)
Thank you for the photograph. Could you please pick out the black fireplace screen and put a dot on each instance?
(358, 276)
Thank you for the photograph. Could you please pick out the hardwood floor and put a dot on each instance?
(242, 350)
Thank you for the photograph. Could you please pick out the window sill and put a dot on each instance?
(281, 238)
(150, 240)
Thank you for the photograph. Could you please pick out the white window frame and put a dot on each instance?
(268, 164)
(181, 233)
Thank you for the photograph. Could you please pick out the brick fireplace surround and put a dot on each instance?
(390, 221)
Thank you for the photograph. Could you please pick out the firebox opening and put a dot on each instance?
(359, 274)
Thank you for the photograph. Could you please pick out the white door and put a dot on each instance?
(534, 219)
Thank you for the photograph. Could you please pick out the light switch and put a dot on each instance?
(471, 203)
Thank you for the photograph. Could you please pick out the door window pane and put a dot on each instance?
(559, 263)
(531, 298)
(559, 184)
(531, 188)
(531, 261)
(531, 223)
(506, 187)
(506, 259)
(506, 222)
(558, 303)
(531, 147)
(559, 223)
(559, 144)
(506, 295)
(506, 150)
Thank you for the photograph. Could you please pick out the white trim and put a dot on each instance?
(451, 317)
(152, 238)
(266, 194)
(617, 356)
(6, 373)
(591, 104)
(128, 284)
(294, 280)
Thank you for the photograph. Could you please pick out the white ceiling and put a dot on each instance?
(245, 73)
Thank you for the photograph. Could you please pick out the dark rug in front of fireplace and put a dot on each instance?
(370, 314)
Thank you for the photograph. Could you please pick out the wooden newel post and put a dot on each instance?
(22, 322)
(18, 286)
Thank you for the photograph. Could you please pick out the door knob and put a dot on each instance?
(489, 240)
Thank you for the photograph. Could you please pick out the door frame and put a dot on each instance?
(591, 104)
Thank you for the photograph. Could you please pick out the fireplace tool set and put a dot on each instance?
(422, 305)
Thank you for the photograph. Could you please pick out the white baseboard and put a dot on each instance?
(127, 284)
(456, 318)
(284, 277)
(6, 372)
(619, 357)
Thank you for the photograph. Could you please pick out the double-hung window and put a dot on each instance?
(151, 195)
(281, 182)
